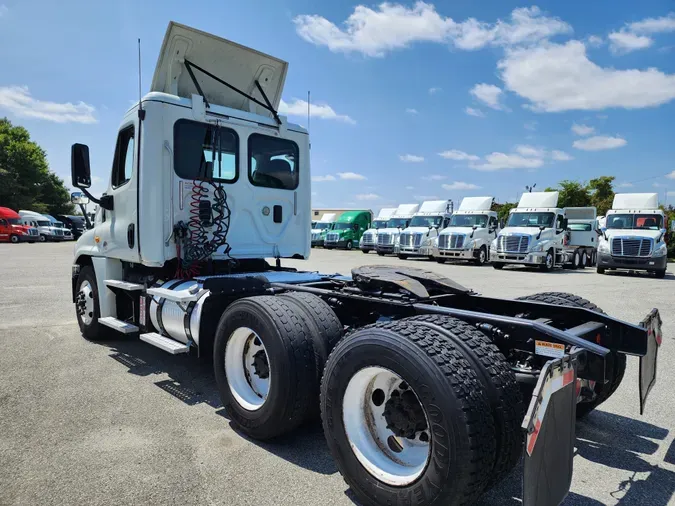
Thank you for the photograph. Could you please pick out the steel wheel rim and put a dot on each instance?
(481, 256)
(85, 302)
(584, 259)
(374, 445)
(549, 260)
(245, 360)
(43, 238)
(14, 239)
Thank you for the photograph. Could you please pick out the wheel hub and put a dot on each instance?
(261, 366)
(404, 413)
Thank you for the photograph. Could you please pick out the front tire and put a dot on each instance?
(600, 270)
(547, 266)
(402, 257)
(14, 239)
(660, 274)
(264, 366)
(364, 251)
(441, 260)
(497, 265)
(445, 461)
(481, 259)
(43, 238)
(87, 304)
(349, 245)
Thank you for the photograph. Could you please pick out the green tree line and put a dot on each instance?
(25, 179)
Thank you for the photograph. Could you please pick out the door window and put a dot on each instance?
(493, 222)
(3, 223)
(124, 158)
(559, 222)
(273, 162)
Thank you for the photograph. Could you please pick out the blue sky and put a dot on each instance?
(411, 101)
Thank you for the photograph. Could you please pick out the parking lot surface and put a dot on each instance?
(121, 422)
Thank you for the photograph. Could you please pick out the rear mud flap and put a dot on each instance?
(648, 362)
(550, 434)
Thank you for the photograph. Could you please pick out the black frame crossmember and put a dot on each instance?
(267, 105)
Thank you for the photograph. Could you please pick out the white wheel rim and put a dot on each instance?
(481, 256)
(549, 260)
(584, 259)
(368, 435)
(245, 357)
(85, 302)
(14, 239)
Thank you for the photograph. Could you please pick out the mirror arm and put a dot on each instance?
(91, 197)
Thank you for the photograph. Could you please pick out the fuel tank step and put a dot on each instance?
(179, 296)
(124, 285)
(164, 343)
(118, 325)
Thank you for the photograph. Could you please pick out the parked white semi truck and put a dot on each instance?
(368, 241)
(419, 237)
(471, 230)
(634, 235)
(414, 374)
(388, 238)
(321, 228)
(46, 229)
(536, 235)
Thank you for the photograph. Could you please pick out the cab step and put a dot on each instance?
(164, 343)
(179, 296)
(118, 325)
(124, 285)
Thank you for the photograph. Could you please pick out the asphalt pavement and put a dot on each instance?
(121, 422)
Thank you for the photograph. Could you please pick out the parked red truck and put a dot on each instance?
(11, 229)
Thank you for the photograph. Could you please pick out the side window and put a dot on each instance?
(204, 151)
(559, 222)
(123, 164)
(3, 223)
(493, 222)
(273, 162)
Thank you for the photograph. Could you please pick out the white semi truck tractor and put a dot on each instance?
(418, 379)
(536, 234)
(419, 238)
(321, 228)
(388, 237)
(368, 240)
(471, 230)
(634, 235)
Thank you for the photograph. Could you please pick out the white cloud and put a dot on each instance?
(435, 177)
(18, 101)
(595, 41)
(433, 90)
(561, 156)
(352, 176)
(671, 175)
(625, 185)
(456, 154)
(530, 151)
(298, 107)
(460, 185)
(582, 129)
(319, 179)
(409, 187)
(599, 143)
(654, 25)
(425, 197)
(474, 112)
(411, 111)
(411, 158)
(625, 42)
(375, 31)
(489, 94)
(368, 196)
(558, 78)
(498, 161)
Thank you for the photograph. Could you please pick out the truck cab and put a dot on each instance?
(533, 234)
(418, 239)
(348, 229)
(321, 228)
(388, 237)
(46, 231)
(471, 230)
(64, 231)
(13, 230)
(368, 241)
(634, 235)
(76, 224)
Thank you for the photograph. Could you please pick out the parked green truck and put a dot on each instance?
(348, 229)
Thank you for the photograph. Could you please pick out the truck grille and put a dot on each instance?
(410, 240)
(32, 231)
(58, 232)
(316, 236)
(331, 237)
(513, 243)
(451, 241)
(368, 239)
(385, 239)
(631, 247)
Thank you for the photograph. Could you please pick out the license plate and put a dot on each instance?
(652, 323)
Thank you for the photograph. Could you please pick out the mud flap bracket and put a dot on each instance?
(549, 427)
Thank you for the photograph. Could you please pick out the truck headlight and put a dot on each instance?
(660, 251)
(538, 247)
(603, 247)
(469, 244)
(493, 244)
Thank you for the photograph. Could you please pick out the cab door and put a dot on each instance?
(117, 234)
(4, 230)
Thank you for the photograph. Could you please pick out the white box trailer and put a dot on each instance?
(180, 263)
(368, 241)
(536, 234)
(469, 233)
(419, 237)
(634, 235)
(388, 238)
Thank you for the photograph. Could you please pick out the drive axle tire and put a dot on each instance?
(87, 307)
(498, 381)
(404, 417)
(263, 362)
(616, 362)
